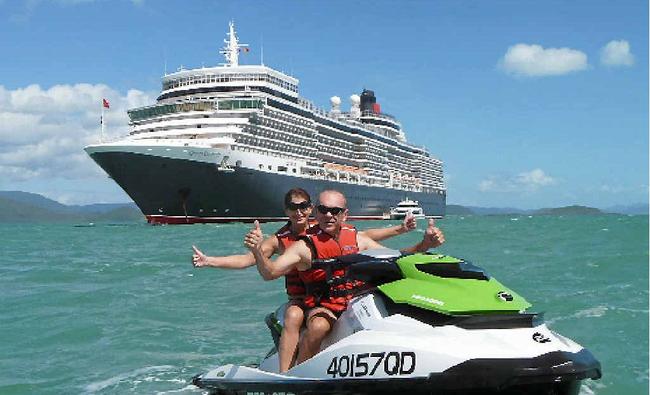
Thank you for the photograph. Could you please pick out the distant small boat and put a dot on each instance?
(89, 225)
(405, 207)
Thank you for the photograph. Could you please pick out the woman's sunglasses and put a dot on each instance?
(298, 206)
(334, 210)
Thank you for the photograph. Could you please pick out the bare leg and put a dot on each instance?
(293, 318)
(319, 323)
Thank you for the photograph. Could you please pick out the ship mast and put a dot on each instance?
(232, 48)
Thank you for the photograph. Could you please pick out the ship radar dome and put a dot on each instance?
(335, 101)
(355, 111)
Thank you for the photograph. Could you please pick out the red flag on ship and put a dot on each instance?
(246, 49)
(106, 104)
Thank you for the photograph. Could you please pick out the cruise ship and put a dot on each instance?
(224, 144)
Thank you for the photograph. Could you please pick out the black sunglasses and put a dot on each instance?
(334, 210)
(299, 206)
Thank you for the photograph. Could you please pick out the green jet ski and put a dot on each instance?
(424, 324)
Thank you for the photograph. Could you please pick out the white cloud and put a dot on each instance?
(534, 179)
(43, 131)
(491, 184)
(536, 61)
(529, 181)
(616, 53)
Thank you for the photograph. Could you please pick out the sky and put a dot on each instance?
(529, 104)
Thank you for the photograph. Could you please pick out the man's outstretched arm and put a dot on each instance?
(433, 237)
(379, 234)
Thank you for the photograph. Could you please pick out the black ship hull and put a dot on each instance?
(181, 191)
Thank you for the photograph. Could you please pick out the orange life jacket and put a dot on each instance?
(294, 285)
(330, 288)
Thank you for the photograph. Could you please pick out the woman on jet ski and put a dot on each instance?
(298, 207)
(330, 238)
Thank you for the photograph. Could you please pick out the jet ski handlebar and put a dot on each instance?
(374, 268)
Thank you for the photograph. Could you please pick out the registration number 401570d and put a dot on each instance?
(368, 364)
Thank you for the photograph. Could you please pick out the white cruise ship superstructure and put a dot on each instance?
(225, 143)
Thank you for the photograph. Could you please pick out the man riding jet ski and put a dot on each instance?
(332, 238)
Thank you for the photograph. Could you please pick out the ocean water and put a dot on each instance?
(114, 309)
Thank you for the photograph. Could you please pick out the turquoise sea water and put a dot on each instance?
(120, 309)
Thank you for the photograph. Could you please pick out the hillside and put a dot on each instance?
(454, 209)
(16, 206)
(569, 210)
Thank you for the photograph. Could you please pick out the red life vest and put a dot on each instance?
(294, 285)
(339, 291)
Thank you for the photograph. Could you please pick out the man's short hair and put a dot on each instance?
(295, 192)
(345, 200)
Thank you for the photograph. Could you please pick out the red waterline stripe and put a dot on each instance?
(182, 220)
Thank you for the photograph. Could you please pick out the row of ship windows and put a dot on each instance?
(371, 178)
(282, 149)
(284, 126)
(288, 118)
(332, 141)
(337, 160)
(403, 166)
(405, 174)
(339, 135)
(267, 152)
(333, 145)
(383, 149)
(214, 78)
(240, 104)
(165, 109)
(270, 144)
(370, 157)
(286, 137)
(336, 154)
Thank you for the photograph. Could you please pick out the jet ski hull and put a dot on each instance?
(556, 373)
(463, 361)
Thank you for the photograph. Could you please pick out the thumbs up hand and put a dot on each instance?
(253, 239)
(433, 236)
(199, 259)
(409, 223)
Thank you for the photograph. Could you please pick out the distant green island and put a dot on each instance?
(635, 209)
(17, 206)
(569, 210)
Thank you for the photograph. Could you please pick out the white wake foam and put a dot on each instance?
(100, 385)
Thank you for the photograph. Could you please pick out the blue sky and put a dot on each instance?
(529, 104)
